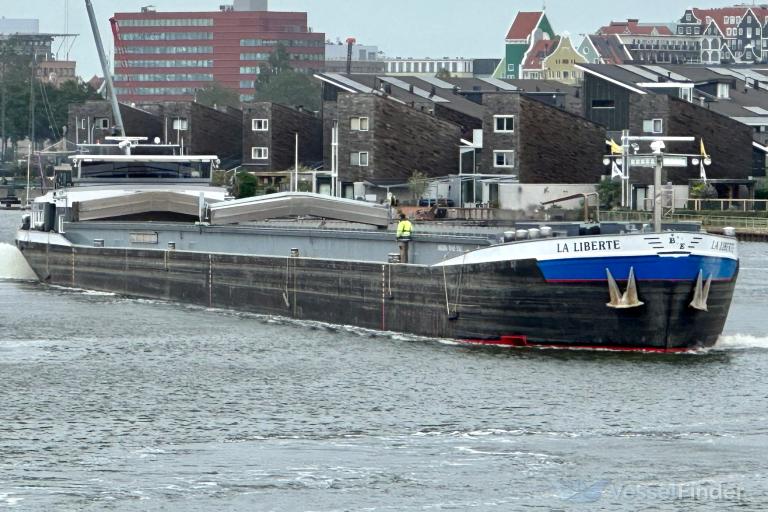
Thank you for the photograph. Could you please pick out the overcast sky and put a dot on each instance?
(400, 28)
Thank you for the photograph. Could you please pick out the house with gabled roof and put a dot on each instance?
(554, 59)
(526, 30)
(604, 49)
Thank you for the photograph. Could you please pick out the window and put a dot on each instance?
(83, 124)
(741, 31)
(164, 36)
(358, 124)
(259, 153)
(603, 104)
(102, 123)
(511, 68)
(653, 126)
(180, 124)
(687, 30)
(687, 16)
(359, 159)
(260, 125)
(723, 90)
(504, 159)
(503, 124)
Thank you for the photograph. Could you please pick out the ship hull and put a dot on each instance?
(525, 302)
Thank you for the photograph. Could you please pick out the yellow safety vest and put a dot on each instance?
(404, 229)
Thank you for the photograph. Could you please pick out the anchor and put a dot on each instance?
(629, 298)
(701, 293)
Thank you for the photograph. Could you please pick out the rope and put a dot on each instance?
(287, 280)
(445, 284)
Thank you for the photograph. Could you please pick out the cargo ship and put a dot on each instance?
(147, 225)
(135, 221)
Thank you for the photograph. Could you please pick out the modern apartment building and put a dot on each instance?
(162, 56)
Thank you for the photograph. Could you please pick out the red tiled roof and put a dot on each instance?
(632, 27)
(524, 24)
(541, 49)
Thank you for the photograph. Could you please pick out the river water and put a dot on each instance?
(108, 403)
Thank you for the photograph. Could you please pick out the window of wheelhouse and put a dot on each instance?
(145, 170)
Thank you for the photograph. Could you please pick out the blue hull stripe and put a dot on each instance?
(648, 268)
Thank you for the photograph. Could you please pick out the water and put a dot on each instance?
(117, 404)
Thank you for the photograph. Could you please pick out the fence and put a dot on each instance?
(751, 223)
(744, 205)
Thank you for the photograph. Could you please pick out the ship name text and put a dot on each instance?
(589, 246)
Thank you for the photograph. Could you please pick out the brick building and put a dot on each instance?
(163, 56)
(92, 121)
(269, 136)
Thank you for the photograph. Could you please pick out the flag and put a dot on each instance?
(615, 170)
(702, 170)
(615, 148)
(703, 150)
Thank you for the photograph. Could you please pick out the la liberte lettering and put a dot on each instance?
(593, 246)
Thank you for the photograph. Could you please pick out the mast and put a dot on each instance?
(105, 69)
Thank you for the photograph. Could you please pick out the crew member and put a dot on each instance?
(404, 232)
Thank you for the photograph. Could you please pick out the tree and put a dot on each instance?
(417, 184)
(217, 95)
(280, 83)
(245, 185)
(443, 74)
(610, 193)
(290, 88)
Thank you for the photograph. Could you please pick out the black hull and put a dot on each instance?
(487, 303)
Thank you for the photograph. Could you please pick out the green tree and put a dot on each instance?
(290, 88)
(245, 185)
(280, 83)
(443, 74)
(417, 184)
(610, 193)
(217, 95)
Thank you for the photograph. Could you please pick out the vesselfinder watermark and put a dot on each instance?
(576, 491)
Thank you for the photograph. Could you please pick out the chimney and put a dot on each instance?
(410, 88)
(350, 44)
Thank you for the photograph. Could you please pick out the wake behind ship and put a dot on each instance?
(151, 226)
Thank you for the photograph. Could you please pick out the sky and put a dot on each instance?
(400, 28)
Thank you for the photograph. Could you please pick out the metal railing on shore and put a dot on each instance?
(743, 205)
(751, 223)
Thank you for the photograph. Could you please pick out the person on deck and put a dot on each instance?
(404, 233)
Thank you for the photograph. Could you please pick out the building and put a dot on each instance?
(166, 56)
(364, 58)
(526, 30)
(633, 27)
(728, 34)
(195, 128)
(604, 49)
(457, 67)
(91, 122)
(201, 130)
(554, 59)
(269, 142)
(630, 41)
(24, 36)
(499, 132)
(728, 113)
